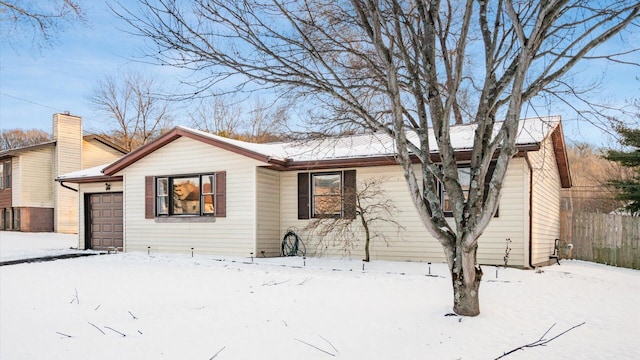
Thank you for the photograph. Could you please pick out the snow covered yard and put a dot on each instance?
(18, 245)
(139, 306)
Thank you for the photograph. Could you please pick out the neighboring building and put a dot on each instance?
(193, 191)
(30, 199)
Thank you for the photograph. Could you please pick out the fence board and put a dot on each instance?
(603, 238)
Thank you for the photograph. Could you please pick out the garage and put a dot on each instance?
(104, 223)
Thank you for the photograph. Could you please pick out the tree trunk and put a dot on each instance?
(366, 251)
(466, 301)
(465, 278)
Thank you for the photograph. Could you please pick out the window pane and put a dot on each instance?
(163, 207)
(328, 184)
(162, 186)
(464, 177)
(327, 197)
(208, 187)
(186, 196)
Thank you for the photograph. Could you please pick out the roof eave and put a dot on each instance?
(89, 179)
(174, 134)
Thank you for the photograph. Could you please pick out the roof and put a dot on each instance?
(19, 150)
(93, 174)
(105, 142)
(345, 151)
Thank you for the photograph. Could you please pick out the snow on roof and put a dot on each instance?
(531, 131)
(85, 173)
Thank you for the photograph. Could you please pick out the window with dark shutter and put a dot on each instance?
(349, 194)
(221, 191)
(186, 196)
(327, 194)
(303, 195)
(464, 176)
(149, 196)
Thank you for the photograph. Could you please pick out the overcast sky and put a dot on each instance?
(36, 84)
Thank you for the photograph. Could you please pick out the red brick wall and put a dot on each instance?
(36, 219)
(5, 198)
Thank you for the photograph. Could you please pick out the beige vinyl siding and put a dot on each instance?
(268, 236)
(231, 235)
(33, 179)
(95, 153)
(512, 221)
(414, 243)
(546, 202)
(85, 189)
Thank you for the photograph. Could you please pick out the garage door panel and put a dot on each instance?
(105, 223)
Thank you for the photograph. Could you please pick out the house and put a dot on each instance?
(30, 199)
(193, 191)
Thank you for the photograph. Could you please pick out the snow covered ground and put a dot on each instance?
(139, 306)
(18, 245)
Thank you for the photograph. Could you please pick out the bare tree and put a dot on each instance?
(591, 173)
(398, 68)
(133, 108)
(16, 138)
(373, 208)
(222, 115)
(218, 115)
(44, 20)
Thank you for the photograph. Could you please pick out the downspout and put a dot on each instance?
(67, 186)
(526, 157)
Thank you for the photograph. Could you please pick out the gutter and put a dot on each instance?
(526, 157)
(67, 186)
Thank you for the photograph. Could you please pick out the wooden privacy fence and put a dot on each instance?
(603, 238)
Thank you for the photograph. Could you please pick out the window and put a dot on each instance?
(326, 194)
(186, 195)
(7, 174)
(326, 190)
(464, 177)
(1, 176)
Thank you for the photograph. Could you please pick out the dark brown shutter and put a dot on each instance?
(303, 195)
(221, 194)
(149, 197)
(350, 194)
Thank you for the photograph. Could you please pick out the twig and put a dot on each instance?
(97, 307)
(216, 354)
(114, 330)
(540, 342)
(304, 281)
(315, 347)
(274, 283)
(103, 333)
(329, 342)
(133, 316)
(69, 336)
(76, 299)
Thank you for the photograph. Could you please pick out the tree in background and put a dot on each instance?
(402, 69)
(590, 191)
(259, 122)
(629, 189)
(132, 108)
(17, 138)
(44, 20)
